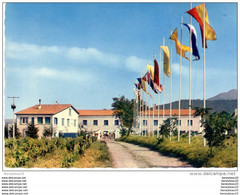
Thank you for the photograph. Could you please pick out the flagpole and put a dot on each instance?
(159, 93)
(163, 86)
(153, 106)
(204, 68)
(190, 66)
(180, 70)
(171, 82)
(149, 104)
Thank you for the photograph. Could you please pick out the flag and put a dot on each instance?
(148, 79)
(137, 85)
(143, 85)
(193, 40)
(137, 94)
(178, 45)
(156, 72)
(151, 70)
(158, 88)
(197, 13)
(166, 60)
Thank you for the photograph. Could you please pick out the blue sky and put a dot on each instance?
(87, 53)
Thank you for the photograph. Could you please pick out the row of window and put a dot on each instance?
(179, 122)
(105, 122)
(47, 121)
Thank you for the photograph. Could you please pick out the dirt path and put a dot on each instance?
(125, 155)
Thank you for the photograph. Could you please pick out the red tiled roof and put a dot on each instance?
(45, 109)
(96, 112)
(183, 112)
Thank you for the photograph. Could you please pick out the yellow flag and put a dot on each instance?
(151, 70)
(144, 86)
(166, 60)
(185, 48)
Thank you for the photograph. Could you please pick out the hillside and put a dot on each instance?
(230, 95)
(217, 105)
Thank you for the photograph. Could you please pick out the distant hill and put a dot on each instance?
(216, 105)
(226, 101)
(230, 95)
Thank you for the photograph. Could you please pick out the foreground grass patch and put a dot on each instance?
(195, 153)
(96, 155)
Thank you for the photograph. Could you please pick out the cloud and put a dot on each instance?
(29, 55)
(135, 64)
(55, 74)
(25, 51)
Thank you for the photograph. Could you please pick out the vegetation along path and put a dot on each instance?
(125, 155)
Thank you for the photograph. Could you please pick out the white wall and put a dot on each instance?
(65, 128)
(90, 127)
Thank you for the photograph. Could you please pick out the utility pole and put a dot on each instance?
(13, 106)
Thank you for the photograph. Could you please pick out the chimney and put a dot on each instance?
(56, 102)
(39, 106)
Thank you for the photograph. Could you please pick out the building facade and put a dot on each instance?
(62, 118)
(104, 120)
(150, 122)
(98, 121)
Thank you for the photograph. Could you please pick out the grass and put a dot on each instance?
(195, 153)
(95, 156)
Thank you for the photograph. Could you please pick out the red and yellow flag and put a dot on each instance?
(197, 13)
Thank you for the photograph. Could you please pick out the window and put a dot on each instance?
(24, 120)
(62, 121)
(95, 122)
(55, 121)
(84, 122)
(105, 122)
(68, 122)
(179, 122)
(155, 122)
(40, 120)
(75, 123)
(70, 112)
(191, 122)
(32, 120)
(144, 122)
(47, 120)
(116, 122)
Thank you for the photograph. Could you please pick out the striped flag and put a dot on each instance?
(193, 40)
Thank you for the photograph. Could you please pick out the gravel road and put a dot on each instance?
(125, 155)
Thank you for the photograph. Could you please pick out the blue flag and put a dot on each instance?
(193, 40)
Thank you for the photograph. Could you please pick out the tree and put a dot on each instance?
(215, 125)
(123, 110)
(168, 127)
(17, 131)
(214, 130)
(32, 131)
(48, 132)
(203, 112)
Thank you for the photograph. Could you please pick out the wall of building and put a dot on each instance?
(184, 123)
(111, 127)
(23, 127)
(71, 128)
(65, 128)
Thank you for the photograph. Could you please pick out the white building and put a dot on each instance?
(62, 118)
(152, 122)
(99, 121)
